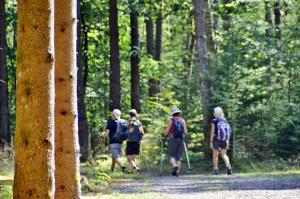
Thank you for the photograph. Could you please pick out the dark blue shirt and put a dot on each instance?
(112, 127)
(215, 122)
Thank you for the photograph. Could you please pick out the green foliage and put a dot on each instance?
(6, 192)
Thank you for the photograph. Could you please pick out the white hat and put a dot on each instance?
(133, 111)
(117, 113)
(175, 110)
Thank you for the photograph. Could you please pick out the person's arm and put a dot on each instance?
(185, 128)
(105, 133)
(212, 134)
(141, 129)
(169, 127)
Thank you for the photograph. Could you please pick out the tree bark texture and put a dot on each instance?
(203, 64)
(134, 59)
(34, 141)
(4, 115)
(83, 131)
(115, 84)
(67, 176)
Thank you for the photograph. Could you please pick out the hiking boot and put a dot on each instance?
(174, 172)
(124, 170)
(215, 172)
(229, 171)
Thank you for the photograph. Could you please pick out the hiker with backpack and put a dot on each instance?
(116, 132)
(135, 135)
(176, 133)
(219, 139)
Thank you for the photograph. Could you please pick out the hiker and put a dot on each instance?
(115, 145)
(219, 139)
(176, 133)
(135, 135)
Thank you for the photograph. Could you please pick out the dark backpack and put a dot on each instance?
(121, 133)
(178, 129)
(224, 130)
(136, 135)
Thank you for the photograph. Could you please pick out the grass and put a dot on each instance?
(6, 192)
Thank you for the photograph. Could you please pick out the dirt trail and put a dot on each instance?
(211, 187)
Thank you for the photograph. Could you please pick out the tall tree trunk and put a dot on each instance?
(4, 117)
(83, 131)
(158, 35)
(67, 176)
(134, 59)
(151, 51)
(115, 84)
(34, 141)
(226, 17)
(203, 64)
(277, 19)
(268, 18)
(211, 48)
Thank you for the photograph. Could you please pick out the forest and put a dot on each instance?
(66, 65)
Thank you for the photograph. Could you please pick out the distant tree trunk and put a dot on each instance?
(84, 135)
(158, 35)
(67, 176)
(226, 17)
(277, 19)
(203, 64)
(34, 141)
(215, 5)
(4, 115)
(268, 18)
(134, 59)
(115, 84)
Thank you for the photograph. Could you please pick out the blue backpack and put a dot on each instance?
(121, 133)
(224, 130)
(178, 129)
(136, 135)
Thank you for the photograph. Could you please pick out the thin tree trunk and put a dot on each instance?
(203, 64)
(134, 59)
(67, 176)
(226, 17)
(158, 35)
(268, 18)
(115, 84)
(4, 115)
(277, 19)
(84, 135)
(215, 5)
(34, 141)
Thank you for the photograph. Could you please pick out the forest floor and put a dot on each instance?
(240, 186)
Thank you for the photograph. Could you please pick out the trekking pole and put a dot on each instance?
(187, 156)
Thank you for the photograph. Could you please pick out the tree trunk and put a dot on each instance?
(83, 131)
(158, 36)
(115, 84)
(134, 59)
(211, 48)
(226, 17)
(215, 5)
(277, 19)
(67, 176)
(203, 64)
(34, 141)
(4, 117)
(268, 18)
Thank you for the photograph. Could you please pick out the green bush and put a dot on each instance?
(6, 192)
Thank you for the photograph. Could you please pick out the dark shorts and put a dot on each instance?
(220, 144)
(133, 148)
(175, 148)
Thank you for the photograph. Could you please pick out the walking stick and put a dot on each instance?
(187, 156)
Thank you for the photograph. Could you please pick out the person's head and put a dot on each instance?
(175, 112)
(116, 114)
(218, 112)
(133, 113)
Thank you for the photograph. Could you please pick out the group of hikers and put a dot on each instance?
(131, 131)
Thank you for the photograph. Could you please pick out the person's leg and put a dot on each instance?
(173, 162)
(225, 158)
(215, 158)
(113, 164)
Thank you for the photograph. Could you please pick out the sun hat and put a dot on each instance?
(175, 110)
(117, 113)
(133, 112)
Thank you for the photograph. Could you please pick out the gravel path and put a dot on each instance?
(212, 187)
